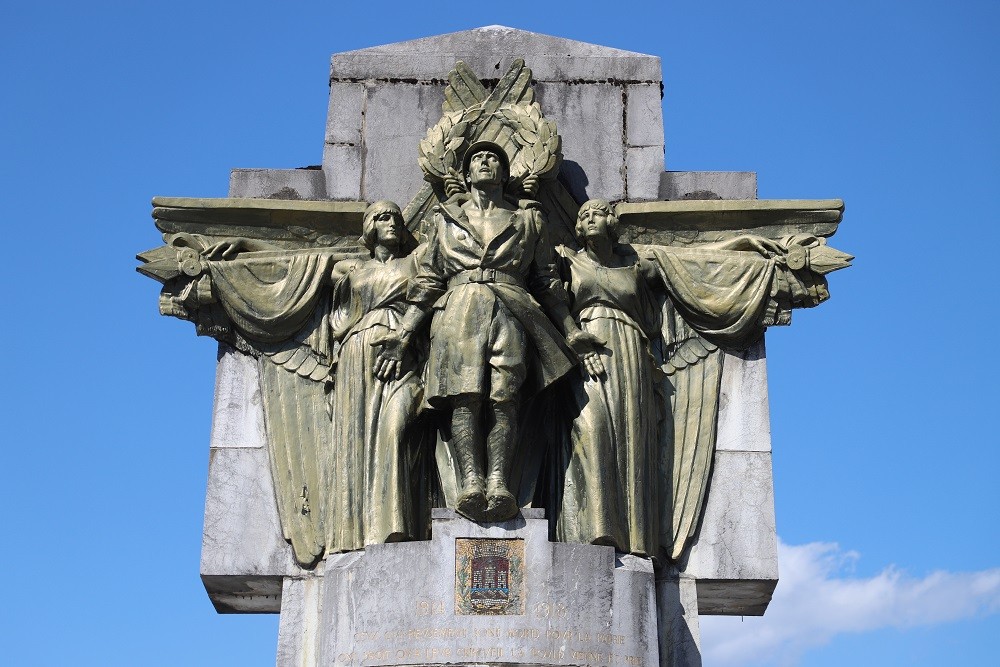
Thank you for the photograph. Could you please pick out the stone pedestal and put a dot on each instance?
(500, 594)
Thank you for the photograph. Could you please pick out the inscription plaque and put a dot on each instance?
(489, 576)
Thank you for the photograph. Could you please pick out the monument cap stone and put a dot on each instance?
(492, 49)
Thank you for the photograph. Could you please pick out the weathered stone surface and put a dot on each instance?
(643, 165)
(297, 627)
(342, 168)
(550, 58)
(744, 417)
(585, 88)
(735, 556)
(397, 116)
(583, 606)
(708, 185)
(679, 629)
(277, 183)
(644, 115)
(345, 114)
(589, 119)
(238, 415)
(243, 556)
(644, 141)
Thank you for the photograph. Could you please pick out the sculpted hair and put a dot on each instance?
(369, 233)
(600, 205)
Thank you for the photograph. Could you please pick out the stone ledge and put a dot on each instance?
(725, 597)
(277, 183)
(243, 595)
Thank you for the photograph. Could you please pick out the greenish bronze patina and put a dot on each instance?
(494, 344)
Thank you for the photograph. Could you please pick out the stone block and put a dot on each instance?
(238, 414)
(489, 52)
(342, 167)
(744, 422)
(345, 113)
(298, 626)
(735, 554)
(708, 185)
(581, 605)
(643, 115)
(680, 631)
(642, 176)
(277, 183)
(243, 554)
(589, 119)
(397, 116)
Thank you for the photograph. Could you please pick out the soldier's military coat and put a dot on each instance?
(489, 334)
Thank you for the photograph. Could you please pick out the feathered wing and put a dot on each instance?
(724, 293)
(296, 376)
(301, 452)
(416, 215)
(255, 273)
(274, 306)
(693, 368)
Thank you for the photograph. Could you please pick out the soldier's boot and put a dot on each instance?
(502, 504)
(467, 443)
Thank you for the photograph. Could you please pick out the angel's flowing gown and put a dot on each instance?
(375, 445)
(610, 460)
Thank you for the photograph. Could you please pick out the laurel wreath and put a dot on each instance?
(533, 146)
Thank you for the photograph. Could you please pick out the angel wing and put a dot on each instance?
(255, 274)
(693, 368)
(726, 293)
(296, 376)
(300, 449)
(560, 212)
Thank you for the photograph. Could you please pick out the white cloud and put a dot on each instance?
(817, 599)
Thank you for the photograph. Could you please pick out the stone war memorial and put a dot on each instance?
(491, 384)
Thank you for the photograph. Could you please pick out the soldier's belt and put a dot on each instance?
(485, 276)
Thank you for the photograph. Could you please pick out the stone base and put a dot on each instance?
(498, 594)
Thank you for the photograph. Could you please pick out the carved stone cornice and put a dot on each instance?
(707, 220)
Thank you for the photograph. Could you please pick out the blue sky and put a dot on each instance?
(882, 400)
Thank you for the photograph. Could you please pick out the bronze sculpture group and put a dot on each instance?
(499, 313)
(491, 366)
